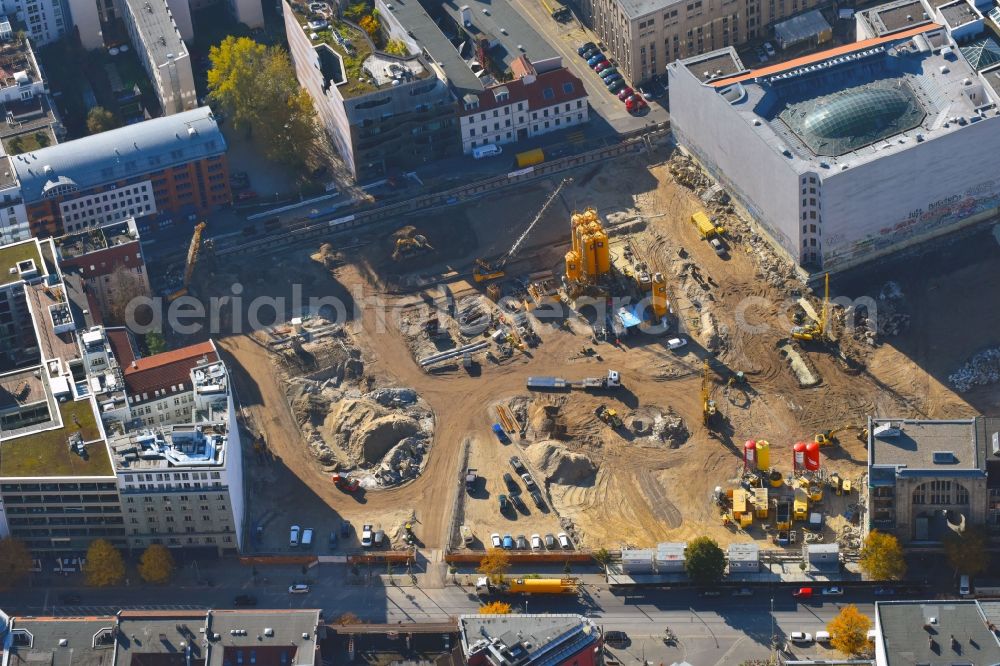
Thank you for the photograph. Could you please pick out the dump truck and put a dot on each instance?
(705, 226)
(346, 483)
(612, 380)
(527, 586)
(529, 158)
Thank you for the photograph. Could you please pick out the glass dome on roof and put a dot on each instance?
(859, 113)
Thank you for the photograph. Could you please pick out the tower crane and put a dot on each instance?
(817, 329)
(491, 270)
(192, 259)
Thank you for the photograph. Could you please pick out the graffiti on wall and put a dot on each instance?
(984, 197)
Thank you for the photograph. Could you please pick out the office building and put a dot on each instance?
(81, 641)
(929, 478)
(171, 168)
(848, 154)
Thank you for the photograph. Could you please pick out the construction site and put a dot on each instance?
(624, 336)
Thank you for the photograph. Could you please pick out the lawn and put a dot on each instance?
(12, 255)
(47, 453)
(25, 143)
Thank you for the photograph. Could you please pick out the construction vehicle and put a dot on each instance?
(491, 270)
(708, 408)
(411, 246)
(529, 158)
(611, 381)
(828, 437)
(706, 227)
(192, 260)
(471, 479)
(817, 329)
(609, 416)
(485, 587)
(348, 484)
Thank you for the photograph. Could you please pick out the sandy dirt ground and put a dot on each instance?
(643, 492)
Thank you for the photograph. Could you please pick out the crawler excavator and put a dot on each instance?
(817, 329)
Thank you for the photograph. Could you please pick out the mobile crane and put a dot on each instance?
(192, 259)
(486, 270)
(817, 329)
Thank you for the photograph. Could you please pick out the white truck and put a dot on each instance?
(611, 381)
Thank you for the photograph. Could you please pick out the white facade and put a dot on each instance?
(46, 20)
(96, 210)
(158, 40)
(511, 122)
(13, 216)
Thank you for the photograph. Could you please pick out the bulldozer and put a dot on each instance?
(609, 416)
(817, 329)
(410, 246)
(828, 437)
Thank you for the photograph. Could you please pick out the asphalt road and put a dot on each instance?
(710, 630)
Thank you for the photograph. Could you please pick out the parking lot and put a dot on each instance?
(565, 38)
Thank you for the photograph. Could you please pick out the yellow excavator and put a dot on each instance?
(192, 259)
(408, 247)
(828, 437)
(486, 270)
(708, 408)
(817, 329)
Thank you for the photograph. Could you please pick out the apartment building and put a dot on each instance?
(110, 265)
(533, 104)
(57, 484)
(162, 51)
(170, 168)
(645, 35)
(45, 21)
(14, 225)
(25, 107)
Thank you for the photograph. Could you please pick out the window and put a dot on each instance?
(568, 88)
(548, 93)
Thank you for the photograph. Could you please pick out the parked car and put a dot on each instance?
(508, 542)
(607, 71)
(616, 639)
(676, 343)
(635, 104)
(616, 86)
(293, 536)
(522, 542)
(719, 247)
(501, 435)
(600, 68)
(743, 592)
(625, 93)
(536, 542)
(550, 541)
(800, 637)
(599, 63)
(243, 600)
(367, 534)
(803, 593)
(833, 591)
(528, 481)
(564, 541)
(594, 59)
(583, 48)
(345, 528)
(378, 538)
(761, 55)
(536, 497)
(512, 485)
(504, 503)
(298, 588)
(518, 466)
(611, 79)
(769, 49)
(495, 540)
(518, 503)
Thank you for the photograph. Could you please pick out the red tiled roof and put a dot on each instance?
(164, 371)
(825, 55)
(121, 345)
(533, 93)
(106, 261)
(521, 66)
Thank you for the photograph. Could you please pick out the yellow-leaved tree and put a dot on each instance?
(495, 608)
(156, 564)
(849, 631)
(882, 557)
(494, 564)
(104, 565)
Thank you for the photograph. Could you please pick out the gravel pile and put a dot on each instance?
(981, 370)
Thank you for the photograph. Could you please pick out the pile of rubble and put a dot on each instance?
(687, 173)
(981, 370)
(849, 538)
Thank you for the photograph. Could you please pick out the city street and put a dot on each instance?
(710, 630)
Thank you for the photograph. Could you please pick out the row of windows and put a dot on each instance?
(509, 135)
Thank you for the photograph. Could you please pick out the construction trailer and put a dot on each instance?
(744, 558)
(639, 562)
(670, 557)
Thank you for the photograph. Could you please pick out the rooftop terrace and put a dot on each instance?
(14, 260)
(201, 446)
(92, 240)
(47, 453)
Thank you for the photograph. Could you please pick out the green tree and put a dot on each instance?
(882, 557)
(156, 564)
(602, 556)
(15, 562)
(104, 566)
(704, 561)
(849, 631)
(968, 551)
(397, 48)
(100, 119)
(155, 343)
(256, 86)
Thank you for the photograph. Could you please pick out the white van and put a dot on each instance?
(822, 636)
(489, 150)
(963, 587)
(293, 537)
(307, 538)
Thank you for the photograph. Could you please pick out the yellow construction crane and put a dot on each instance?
(708, 409)
(817, 329)
(491, 270)
(192, 259)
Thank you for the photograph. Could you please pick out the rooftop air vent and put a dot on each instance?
(63, 642)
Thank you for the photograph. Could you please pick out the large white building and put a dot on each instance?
(45, 21)
(848, 154)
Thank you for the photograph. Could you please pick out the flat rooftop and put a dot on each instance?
(991, 77)
(504, 26)
(160, 638)
(959, 13)
(93, 240)
(708, 66)
(160, 36)
(269, 632)
(923, 445)
(46, 453)
(64, 642)
(174, 447)
(857, 103)
(956, 633)
(638, 8)
(8, 176)
(14, 258)
(51, 308)
(897, 16)
(20, 388)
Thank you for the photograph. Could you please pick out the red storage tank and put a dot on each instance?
(750, 454)
(799, 455)
(812, 456)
